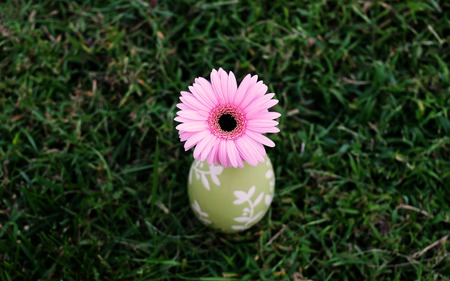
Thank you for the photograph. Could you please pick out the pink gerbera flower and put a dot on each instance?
(225, 122)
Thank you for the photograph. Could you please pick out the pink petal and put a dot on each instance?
(232, 87)
(261, 123)
(258, 103)
(201, 145)
(186, 104)
(246, 148)
(246, 156)
(224, 84)
(192, 102)
(271, 103)
(208, 148)
(210, 99)
(261, 151)
(198, 93)
(265, 130)
(185, 135)
(260, 138)
(263, 114)
(194, 139)
(240, 159)
(223, 159)
(181, 119)
(182, 106)
(232, 153)
(193, 115)
(248, 82)
(254, 108)
(254, 92)
(207, 88)
(215, 82)
(192, 126)
(250, 94)
(212, 156)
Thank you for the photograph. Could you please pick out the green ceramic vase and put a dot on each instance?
(230, 199)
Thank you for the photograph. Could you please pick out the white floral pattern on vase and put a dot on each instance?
(214, 171)
(248, 214)
(270, 176)
(231, 199)
(200, 214)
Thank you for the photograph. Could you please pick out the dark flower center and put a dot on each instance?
(227, 122)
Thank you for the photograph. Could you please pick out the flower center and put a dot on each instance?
(227, 122)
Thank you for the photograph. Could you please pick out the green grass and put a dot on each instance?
(88, 95)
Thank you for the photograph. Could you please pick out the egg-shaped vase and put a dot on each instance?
(230, 199)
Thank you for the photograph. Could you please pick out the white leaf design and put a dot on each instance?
(238, 227)
(196, 206)
(201, 215)
(268, 199)
(251, 192)
(213, 171)
(255, 218)
(241, 219)
(216, 170)
(269, 174)
(190, 176)
(197, 209)
(240, 194)
(258, 199)
(215, 179)
(205, 220)
(248, 218)
(205, 182)
(241, 197)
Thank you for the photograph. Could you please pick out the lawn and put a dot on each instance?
(93, 175)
